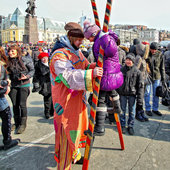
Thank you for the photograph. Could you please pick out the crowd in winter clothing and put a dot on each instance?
(130, 77)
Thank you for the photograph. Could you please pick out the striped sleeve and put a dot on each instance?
(72, 78)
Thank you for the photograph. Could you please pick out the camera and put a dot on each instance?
(4, 83)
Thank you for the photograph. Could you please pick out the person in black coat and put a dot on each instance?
(132, 90)
(133, 47)
(42, 83)
(20, 69)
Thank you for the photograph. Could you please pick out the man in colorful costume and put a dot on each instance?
(71, 77)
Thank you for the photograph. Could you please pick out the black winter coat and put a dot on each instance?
(157, 66)
(41, 79)
(16, 74)
(133, 83)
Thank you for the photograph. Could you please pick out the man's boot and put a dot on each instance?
(144, 116)
(139, 116)
(22, 127)
(10, 143)
(99, 129)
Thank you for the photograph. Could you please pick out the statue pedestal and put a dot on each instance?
(31, 30)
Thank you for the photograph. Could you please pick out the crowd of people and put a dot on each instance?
(63, 73)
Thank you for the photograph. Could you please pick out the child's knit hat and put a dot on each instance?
(90, 29)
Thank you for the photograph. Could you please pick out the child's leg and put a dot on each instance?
(131, 105)
(123, 104)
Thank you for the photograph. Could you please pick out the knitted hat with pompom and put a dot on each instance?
(90, 29)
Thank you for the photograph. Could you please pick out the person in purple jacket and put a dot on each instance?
(112, 76)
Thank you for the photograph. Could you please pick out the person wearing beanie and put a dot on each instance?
(157, 73)
(154, 46)
(112, 76)
(136, 41)
(42, 83)
(131, 57)
(132, 90)
(133, 47)
(142, 52)
(71, 76)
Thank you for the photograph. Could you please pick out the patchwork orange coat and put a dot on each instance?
(71, 77)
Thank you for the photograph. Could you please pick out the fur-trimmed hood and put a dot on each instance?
(142, 50)
(146, 51)
(126, 49)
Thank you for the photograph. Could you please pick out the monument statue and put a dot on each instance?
(31, 7)
(31, 27)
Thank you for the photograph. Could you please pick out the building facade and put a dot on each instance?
(132, 27)
(126, 36)
(12, 28)
(149, 35)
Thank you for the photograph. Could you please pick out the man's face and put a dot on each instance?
(129, 62)
(153, 51)
(78, 42)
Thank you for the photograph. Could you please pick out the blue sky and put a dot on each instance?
(152, 13)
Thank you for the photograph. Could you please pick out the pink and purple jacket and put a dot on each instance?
(112, 76)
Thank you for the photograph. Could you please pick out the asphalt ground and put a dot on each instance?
(148, 149)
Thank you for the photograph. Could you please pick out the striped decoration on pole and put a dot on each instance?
(96, 88)
(105, 29)
(107, 15)
(95, 13)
